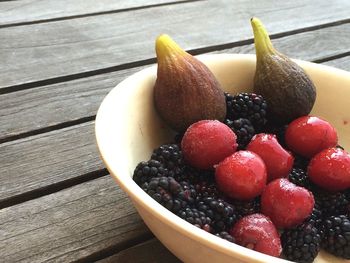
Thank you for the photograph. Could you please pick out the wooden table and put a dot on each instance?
(58, 59)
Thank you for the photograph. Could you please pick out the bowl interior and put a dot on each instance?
(128, 127)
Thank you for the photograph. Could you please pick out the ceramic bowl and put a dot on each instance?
(128, 129)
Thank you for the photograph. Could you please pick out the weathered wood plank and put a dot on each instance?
(151, 251)
(49, 158)
(34, 10)
(51, 50)
(343, 63)
(70, 224)
(72, 100)
(312, 45)
(50, 105)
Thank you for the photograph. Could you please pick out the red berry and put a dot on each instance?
(286, 204)
(242, 175)
(278, 161)
(257, 232)
(330, 169)
(308, 136)
(207, 142)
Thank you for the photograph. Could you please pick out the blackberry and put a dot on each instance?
(301, 244)
(170, 156)
(195, 176)
(279, 131)
(248, 106)
(205, 189)
(225, 235)
(300, 162)
(336, 239)
(331, 203)
(220, 212)
(189, 192)
(244, 208)
(316, 217)
(195, 217)
(145, 171)
(178, 137)
(299, 177)
(347, 194)
(168, 192)
(243, 129)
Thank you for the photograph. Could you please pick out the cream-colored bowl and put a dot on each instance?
(128, 129)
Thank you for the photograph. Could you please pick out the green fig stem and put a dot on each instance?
(165, 46)
(263, 45)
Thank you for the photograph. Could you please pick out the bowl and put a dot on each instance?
(128, 128)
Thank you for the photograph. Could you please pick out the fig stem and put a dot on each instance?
(263, 45)
(165, 46)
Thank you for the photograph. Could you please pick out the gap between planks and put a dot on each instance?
(141, 254)
(92, 220)
(102, 42)
(49, 128)
(34, 163)
(144, 62)
(49, 20)
(120, 252)
(52, 188)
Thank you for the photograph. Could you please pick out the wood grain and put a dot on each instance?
(73, 100)
(314, 45)
(342, 63)
(38, 161)
(151, 251)
(51, 50)
(71, 224)
(50, 105)
(36, 10)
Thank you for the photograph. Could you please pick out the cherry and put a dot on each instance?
(241, 175)
(330, 169)
(278, 161)
(286, 204)
(207, 142)
(309, 135)
(257, 232)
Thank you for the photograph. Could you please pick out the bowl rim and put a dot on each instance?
(141, 198)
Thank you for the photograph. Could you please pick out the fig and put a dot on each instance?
(185, 91)
(287, 89)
